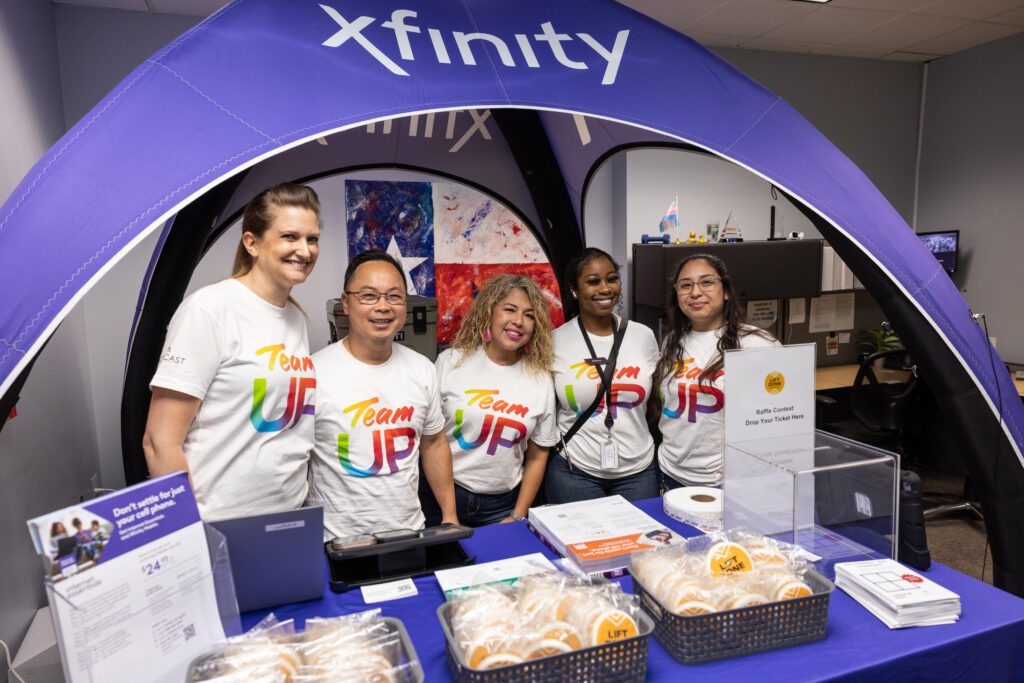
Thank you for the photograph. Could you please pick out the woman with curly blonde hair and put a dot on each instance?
(498, 402)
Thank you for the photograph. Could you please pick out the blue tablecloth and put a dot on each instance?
(987, 644)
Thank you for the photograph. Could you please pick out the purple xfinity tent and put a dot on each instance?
(261, 77)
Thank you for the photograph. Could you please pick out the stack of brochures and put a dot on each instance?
(598, 536)
(898, 596)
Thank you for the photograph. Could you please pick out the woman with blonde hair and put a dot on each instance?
(498, 402)
(233, 394)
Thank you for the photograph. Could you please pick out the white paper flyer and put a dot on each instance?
(130, 583)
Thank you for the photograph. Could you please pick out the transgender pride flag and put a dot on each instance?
(671, 219)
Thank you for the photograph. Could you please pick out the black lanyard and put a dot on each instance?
(606, 372)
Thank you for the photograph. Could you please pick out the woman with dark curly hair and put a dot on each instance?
(704, 322)
(498, 402)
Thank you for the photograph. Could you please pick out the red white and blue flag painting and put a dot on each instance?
(450, 239)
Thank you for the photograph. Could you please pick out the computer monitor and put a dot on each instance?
(945, 245)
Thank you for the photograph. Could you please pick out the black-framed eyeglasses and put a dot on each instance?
(705, 284)
(369, 297)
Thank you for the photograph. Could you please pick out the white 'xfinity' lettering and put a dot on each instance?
(463, 43)
(353, 30)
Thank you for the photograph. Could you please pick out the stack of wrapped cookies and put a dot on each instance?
(722, 571)
(357, 647)
(544, 615)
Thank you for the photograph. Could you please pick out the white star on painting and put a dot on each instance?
(408, 263)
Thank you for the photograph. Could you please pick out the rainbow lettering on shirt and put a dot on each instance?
(296, 406)
(688, 392)
(493, 426)
(388, 444)
(625, 395)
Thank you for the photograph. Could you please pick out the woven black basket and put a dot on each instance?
(738, 632)
(621, 661)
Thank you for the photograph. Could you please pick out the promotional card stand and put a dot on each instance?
(140, 587)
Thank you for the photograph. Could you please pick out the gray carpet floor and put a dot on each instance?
(955, 539)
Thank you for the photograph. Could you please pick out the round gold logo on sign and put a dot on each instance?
(774, 382)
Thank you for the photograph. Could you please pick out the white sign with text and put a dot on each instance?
(771, 392)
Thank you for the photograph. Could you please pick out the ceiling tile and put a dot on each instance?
(847, 51)
(910, 57)
(1013, 18)
(137, 5)
(829, 25)
(781, 46)
(885, 5)
(750, 17)
(716, 39)
(904, 30)
(971, 9)
(964, 38)
(194, 8)
(674, 13)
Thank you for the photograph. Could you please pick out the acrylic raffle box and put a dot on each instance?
(419, 332)
(836, 498)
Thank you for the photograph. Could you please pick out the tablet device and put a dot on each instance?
(276, 558)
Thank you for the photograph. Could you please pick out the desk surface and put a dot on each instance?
(983, 646)
(842, 376)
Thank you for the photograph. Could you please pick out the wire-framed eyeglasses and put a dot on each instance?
(369, 297)
(705, 284)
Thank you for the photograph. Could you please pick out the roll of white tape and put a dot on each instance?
(699, 506)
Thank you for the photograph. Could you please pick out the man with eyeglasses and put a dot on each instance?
(378, 412)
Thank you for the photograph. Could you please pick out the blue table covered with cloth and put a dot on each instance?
(987, 644)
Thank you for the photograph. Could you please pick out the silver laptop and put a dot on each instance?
(276, 558)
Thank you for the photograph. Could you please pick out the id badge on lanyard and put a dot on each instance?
(609, 454)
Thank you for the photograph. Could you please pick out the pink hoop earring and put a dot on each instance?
(487, 336)
(526, 347)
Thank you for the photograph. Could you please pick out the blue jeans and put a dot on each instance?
(563, 485)
(474, 509)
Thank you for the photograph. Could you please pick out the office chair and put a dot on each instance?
(877, 416)
(877, 411)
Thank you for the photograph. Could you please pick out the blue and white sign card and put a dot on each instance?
(130, 583)
(770, 392)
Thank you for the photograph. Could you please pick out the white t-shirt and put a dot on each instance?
(369, 419)
(577, 384)
(248, 360)
(490, 413)
(692, 416)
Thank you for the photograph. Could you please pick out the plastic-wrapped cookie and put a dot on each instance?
(500, 659)
(601, 622)
(790, 588)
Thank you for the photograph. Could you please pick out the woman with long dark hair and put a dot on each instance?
(603, 372)
(704, 322)
(233, 392)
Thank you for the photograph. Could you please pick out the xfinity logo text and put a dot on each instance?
(548, 36)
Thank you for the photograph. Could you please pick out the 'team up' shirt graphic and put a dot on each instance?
(692, 415)
(491, 413)
(577, 384)
(369, 420)
(248, 361)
